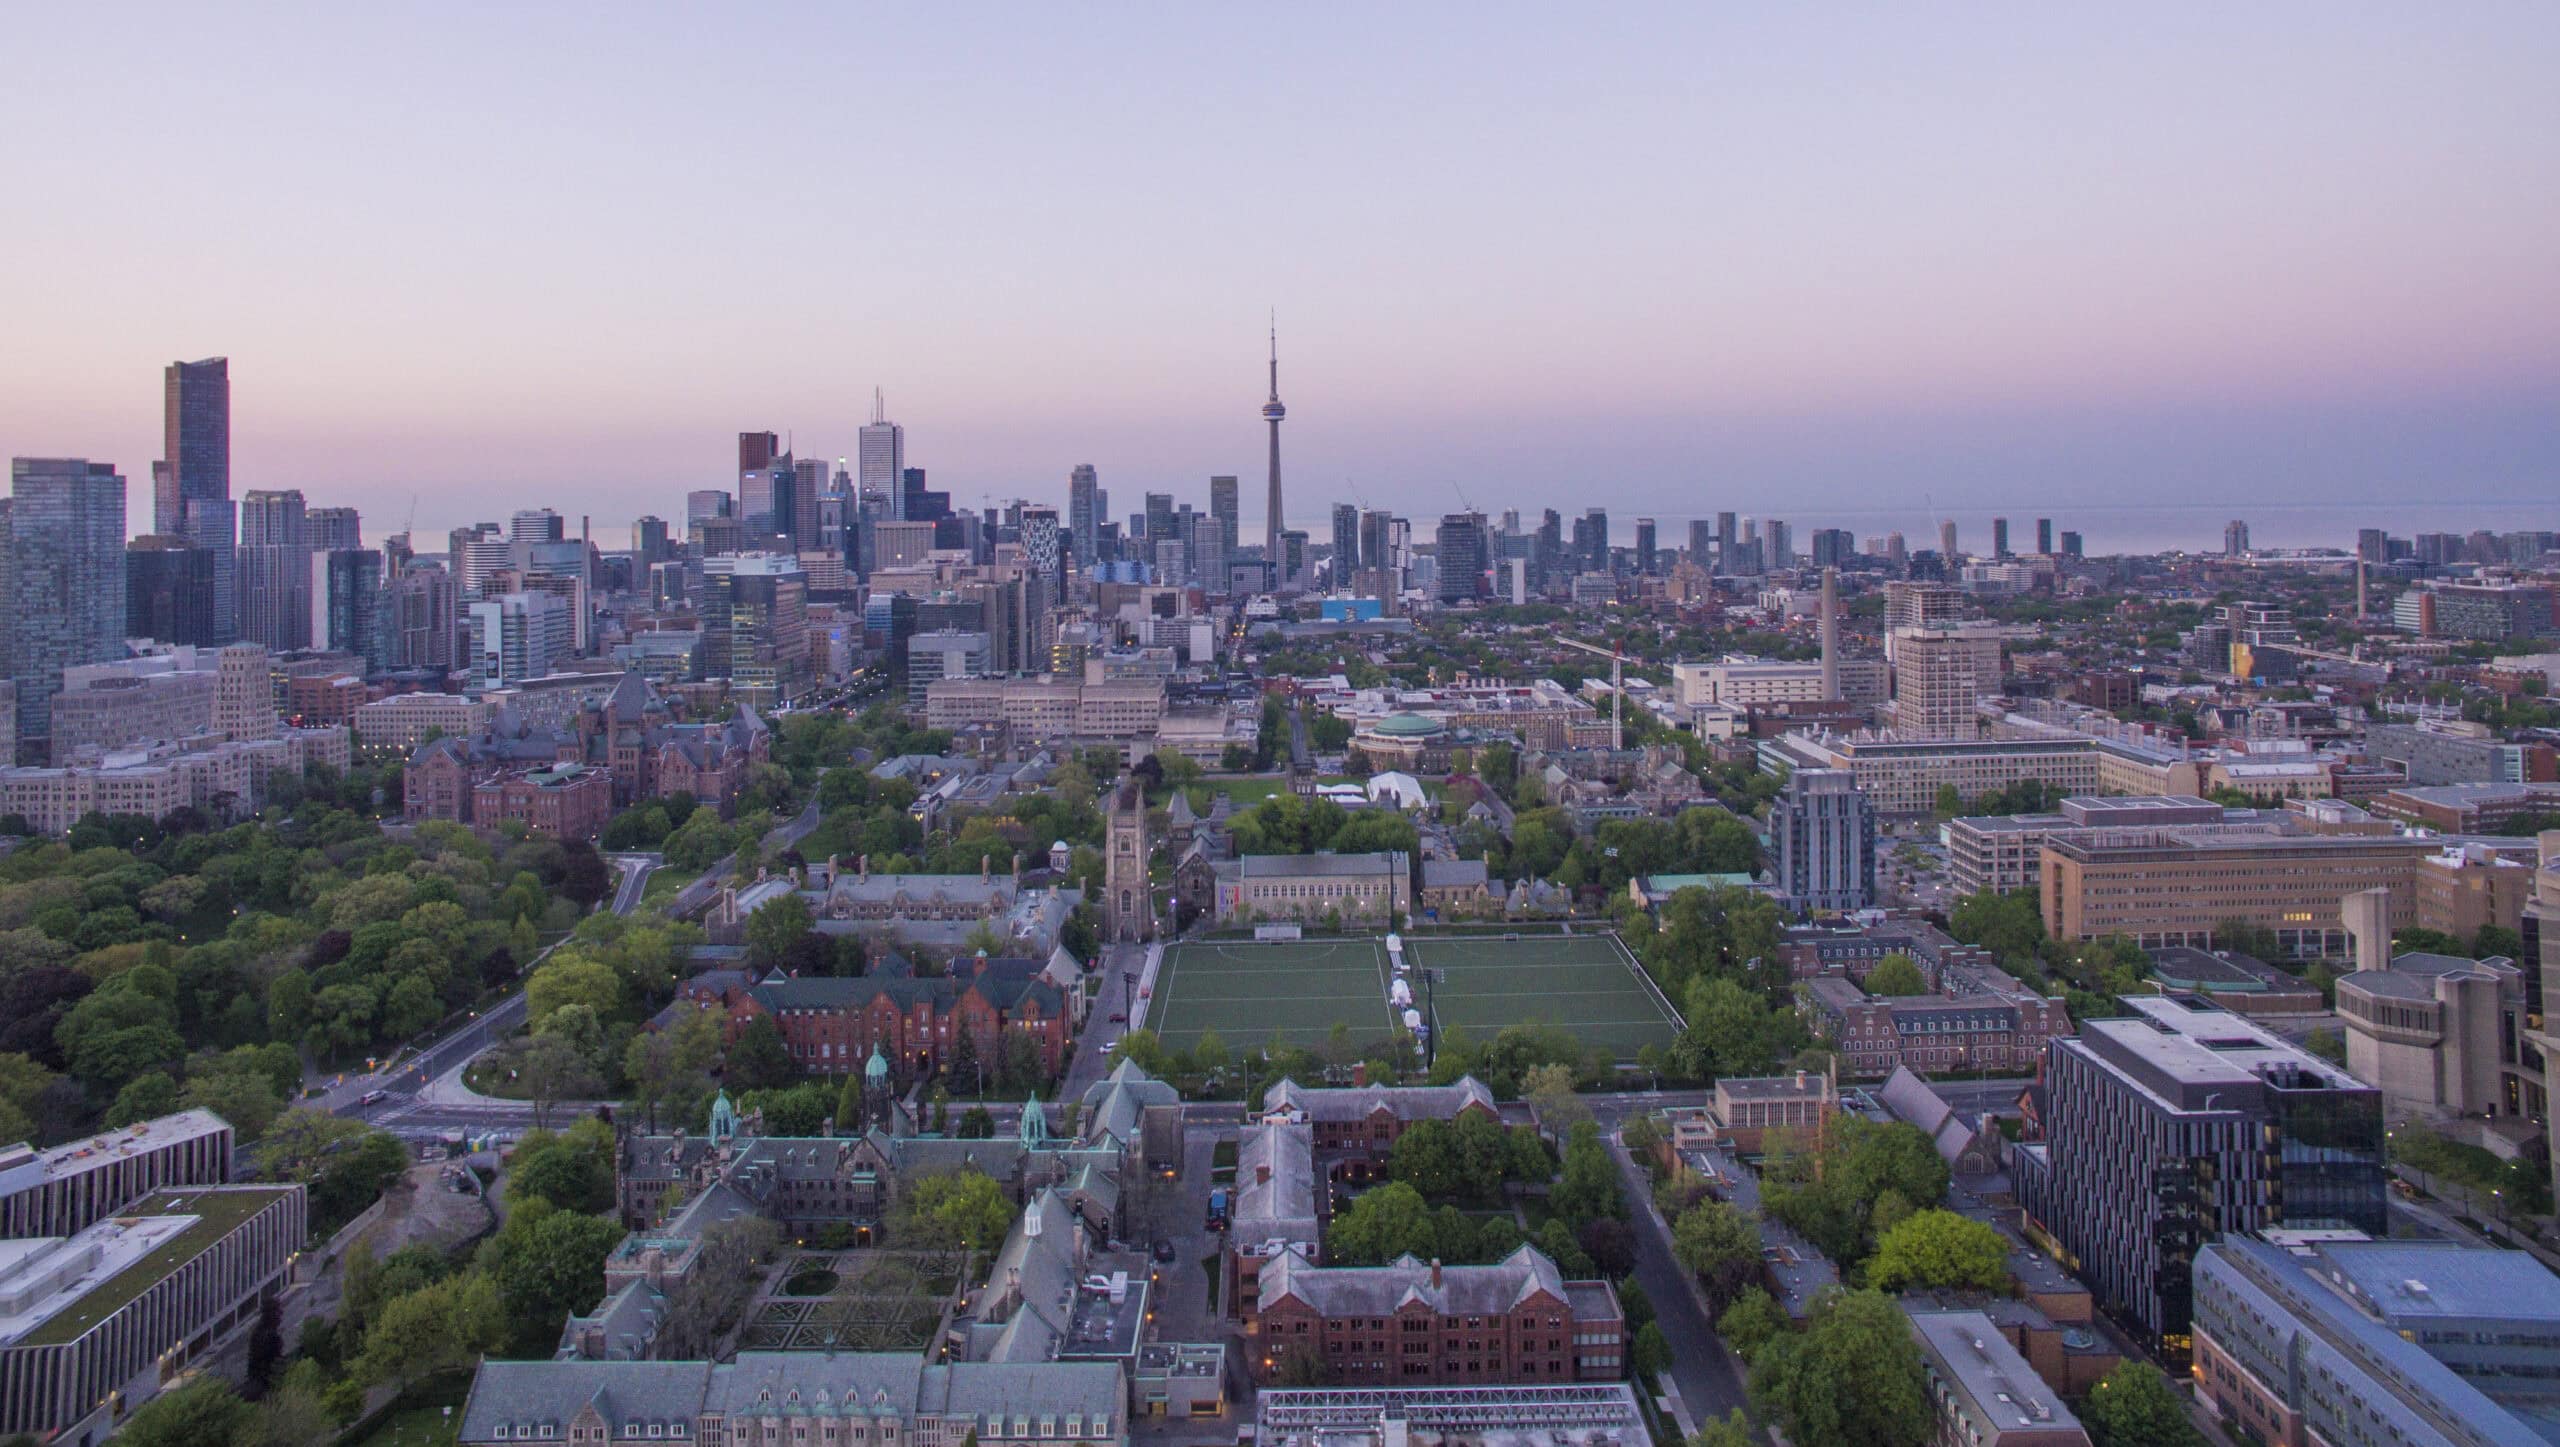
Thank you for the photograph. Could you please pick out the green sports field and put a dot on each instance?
(1588, 984)
(1244, 990)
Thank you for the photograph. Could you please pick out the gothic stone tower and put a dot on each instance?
(1128, 898)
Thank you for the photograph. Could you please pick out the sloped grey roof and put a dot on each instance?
(1359, 1102)
(1283, 1207)
(1381, 1290)
(535, 1393)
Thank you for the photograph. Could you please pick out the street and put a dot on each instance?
(1709, 1386)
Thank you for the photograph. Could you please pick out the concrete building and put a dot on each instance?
(2175, 1123)
(2177, 886)
(2002, 853)
(402, 721)
(61, 1190)
(96, 1323)
(755, 626)
(941, 653)
(1986, 1394)
(1049, 709)
(1939, 675)
(1745, 681)
(2456, 751)
(110, 706)
(1825, 833)
(1902, 776)
(1365, 888)
(1602, 1414)
(2444, 1037)
(2319, 1348)
(223, 778)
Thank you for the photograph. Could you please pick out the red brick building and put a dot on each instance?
(831, 1025)
(1364, 1121)
(565, 801)
(1972, 1030)
(1418, 1323)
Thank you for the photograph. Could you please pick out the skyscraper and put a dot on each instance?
(1726, 537)
(808, 480)
(1781, 551)
(1702, 542)
(1644, 547)
(333, 528)
(2235, 538)
(1999, 540)
(880, 459)
(2044, 537)
(1947, 543)
(1272, 412)
(275, 569)
(1223, 506)
(1463, 551)
(1346, 543)
(65, 602)
(758, 450)
(1084, 514)
(168, 590)
(191, 487)
(1159, 518)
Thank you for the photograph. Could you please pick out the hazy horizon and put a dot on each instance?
(1669, 261)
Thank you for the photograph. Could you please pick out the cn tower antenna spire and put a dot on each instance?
(1272, 412)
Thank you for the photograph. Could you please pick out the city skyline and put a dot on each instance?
(1924, 293)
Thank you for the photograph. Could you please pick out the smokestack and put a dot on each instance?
(1435, 1273)
(1830, 633)
(2359, 588)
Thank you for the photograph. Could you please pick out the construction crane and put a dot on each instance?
(1617, 687)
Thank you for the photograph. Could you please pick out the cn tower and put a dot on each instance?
(1272, 412)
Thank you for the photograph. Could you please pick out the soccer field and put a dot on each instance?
(1245, 989)
(1588, 984)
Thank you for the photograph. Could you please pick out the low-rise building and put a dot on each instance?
(2444, 1037)
(1364, 1122)
(1903, 776)
(403, 721)
(63, 1189)
(2003, 1027)
(1747, 1108)
(2297, 1358)
(1049, 709)
(2177, 886)
(2001, 853)
(1986, 1394)
(1595, 1414)
(1363, 888)
(98, 1322)
(2234, 981)
(800, 1398)
(1422, 1323)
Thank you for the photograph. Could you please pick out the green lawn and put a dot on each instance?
(417, 1419)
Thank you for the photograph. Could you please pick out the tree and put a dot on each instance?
(1752, 1322)
(977, 1123)
(548, 1263)
(2136, 1406)
(1549, 1091)
(775, 925)
(437, 1327)
(1939, 1249)
(1719, 1244)
(1651, 1350)
(1733, 1430)
(203, 1411)
(572, 1170)
(1384, 1222)
(571, 977)
(552, 1071)
(758, 1058)
(1852, 1378)
(1587, 1188)
(953, 1210)
(345, 1163)
(145, 1097)
(1896, 974)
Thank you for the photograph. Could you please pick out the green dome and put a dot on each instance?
(877, 1068)
(1407, 726)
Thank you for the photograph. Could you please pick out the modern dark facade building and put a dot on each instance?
(2176, 1125)
(1346, 543)
(1825, 832)
(1463, 544)
(64, 527)
(169, 587)
(346, 605)
(191, 485)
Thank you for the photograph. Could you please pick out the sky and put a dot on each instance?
(1868, 266)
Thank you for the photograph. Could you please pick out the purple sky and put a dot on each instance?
(2017, 257)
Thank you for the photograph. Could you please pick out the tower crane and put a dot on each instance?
(1617, 657)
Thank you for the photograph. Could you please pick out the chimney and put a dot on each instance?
(862, 867)
(984, 866)
(1359, 1073)
(1017, 869)
(827, 1128)
(1435, 1273)
(1262, 1175)
(1830, 625)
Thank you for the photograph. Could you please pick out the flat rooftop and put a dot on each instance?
(2186, 1053)
(107, 1266)
(2003, 1388)
(2406, 1279)
(2184, 966)
(22, 1167)
(1604, 1414)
